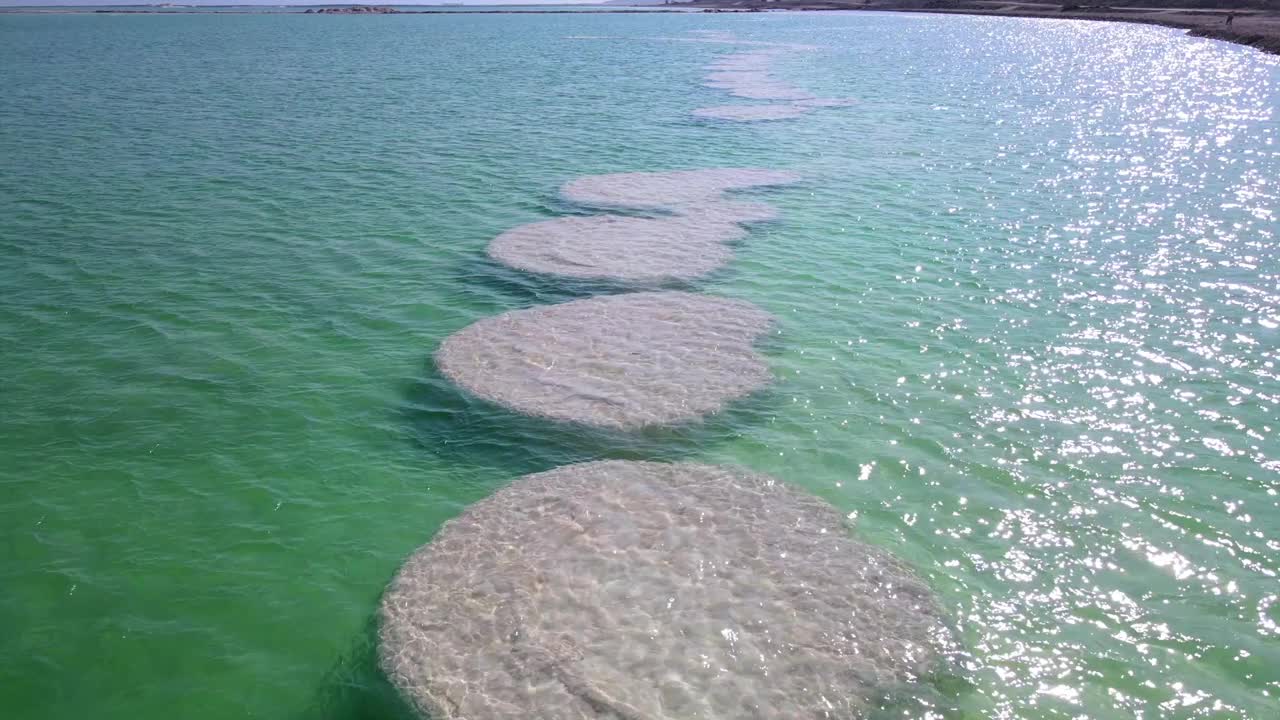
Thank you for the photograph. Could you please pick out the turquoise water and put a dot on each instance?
(1028, 302)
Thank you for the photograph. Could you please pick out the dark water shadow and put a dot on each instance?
(462, 429)
(355, 688)
(939, 694)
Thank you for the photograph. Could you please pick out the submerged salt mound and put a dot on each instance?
(729, 211)
(684, 245)
(669, 190)
(616, 361)
(756, 86)
(619, 248)
(727, 79)
(767, 90)
(652, 591)
(749, 113)
(747, 75)
(755, 61)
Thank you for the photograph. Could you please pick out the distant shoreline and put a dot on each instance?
(1251, 25)
(1256, 28)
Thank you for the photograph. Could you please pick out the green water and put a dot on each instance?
(1028, 301)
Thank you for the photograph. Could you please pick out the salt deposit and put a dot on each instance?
(729, 211)
(653, 591)
(615, 361)
(729, 78)
(684, 245)
(669, 190)
(619, 248)
(756, 61)
(748, 75)
(765, 88)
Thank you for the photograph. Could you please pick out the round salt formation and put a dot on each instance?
(768, 89)
(748, 113)
(729, 211)
(652, 591)
(615, 361)
(757, 60)
(747, 75)
(618, 248)
(732, 78)
(631, 249)
(669, 190)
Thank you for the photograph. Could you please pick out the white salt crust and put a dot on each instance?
(673, 191)
(687, 243)
(619, 248)
(650, 591)
(748, 75)
(616, 361)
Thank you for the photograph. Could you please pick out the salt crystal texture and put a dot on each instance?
(616, 361)
(655, 591)
(747, 75)
(617, 247)
(669, 190)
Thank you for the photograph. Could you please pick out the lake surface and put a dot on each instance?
(1029, 299)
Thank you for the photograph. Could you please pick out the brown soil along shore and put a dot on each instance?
(352, 10)
(1255, 23)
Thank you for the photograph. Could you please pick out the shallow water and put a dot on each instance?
(1027, 302)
